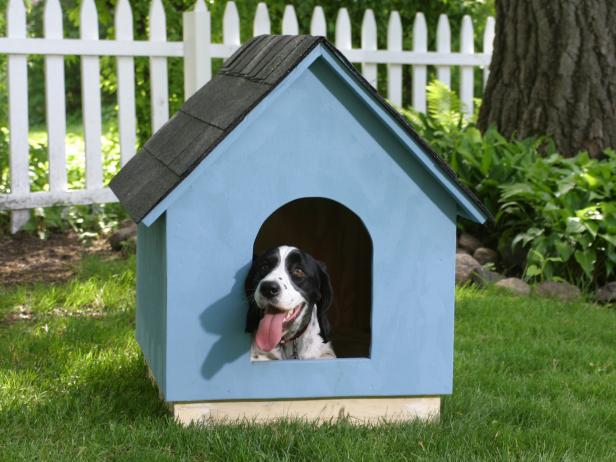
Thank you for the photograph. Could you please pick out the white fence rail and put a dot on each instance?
(197, 50)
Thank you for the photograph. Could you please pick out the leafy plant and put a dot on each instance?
(568, 210)
(559, 213)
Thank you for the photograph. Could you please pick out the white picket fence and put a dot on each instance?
(197, 50)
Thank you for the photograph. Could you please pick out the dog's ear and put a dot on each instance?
(253, 317)
(325, 302)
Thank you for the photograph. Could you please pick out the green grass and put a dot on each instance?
(534, 380)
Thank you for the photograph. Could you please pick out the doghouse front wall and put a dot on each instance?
(315, 139)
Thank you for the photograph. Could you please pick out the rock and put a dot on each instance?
(514, 285)
(468, 243)
(607, 293)
(128, 223)
(559, 290)
(124, 237)
(484, 255)
(465, 266)
(484, 277)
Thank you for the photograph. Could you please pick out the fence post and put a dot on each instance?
(18, 112)
(289, 21)
(231, 26)
(343, 30)
(91, 98)
(420, 44)
(126, 84)
(262, 21)
(467, 46)
(394, 71)
(159, 86)
(197, 50)
(488, 46)
(318, 25)
(443, 45)
(368, 42)
(54, 100)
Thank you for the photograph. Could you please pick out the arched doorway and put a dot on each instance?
(334, 234)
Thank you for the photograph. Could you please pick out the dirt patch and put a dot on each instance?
(25, 259)
(22, 313)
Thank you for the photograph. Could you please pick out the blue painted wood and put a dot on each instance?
(152, 297)
(466, 207)
(319, 139)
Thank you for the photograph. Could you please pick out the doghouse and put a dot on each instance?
(288, 144)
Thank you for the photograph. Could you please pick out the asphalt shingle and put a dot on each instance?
(209, 115)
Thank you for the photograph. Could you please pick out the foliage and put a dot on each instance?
(572, 205)
(87, 220)
(73, 386)
(561, 212)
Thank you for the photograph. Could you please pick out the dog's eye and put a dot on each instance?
(298, 272)
(264, 268)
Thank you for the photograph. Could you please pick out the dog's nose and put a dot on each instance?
(269, 289)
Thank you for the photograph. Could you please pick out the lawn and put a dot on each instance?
(534, 380)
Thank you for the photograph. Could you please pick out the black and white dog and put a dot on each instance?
(289, 293)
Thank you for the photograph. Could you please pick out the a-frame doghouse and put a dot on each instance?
(288, 144)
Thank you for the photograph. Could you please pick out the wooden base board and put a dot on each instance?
(354, 410)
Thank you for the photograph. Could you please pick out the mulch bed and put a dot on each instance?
(26, 259)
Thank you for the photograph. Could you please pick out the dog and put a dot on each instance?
(289, 293)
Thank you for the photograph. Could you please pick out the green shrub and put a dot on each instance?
(566, 213)
(560, 212)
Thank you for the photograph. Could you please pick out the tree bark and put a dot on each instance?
(553, 72)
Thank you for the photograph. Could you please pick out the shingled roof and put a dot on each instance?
(208, 116)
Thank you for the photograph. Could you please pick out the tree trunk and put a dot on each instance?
(553, 72)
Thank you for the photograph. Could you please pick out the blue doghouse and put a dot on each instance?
(288, 144)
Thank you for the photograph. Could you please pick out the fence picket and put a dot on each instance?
(394, 71)
(443, 45)
(197, 49)
(368, 42)
(290, 25)
(55, 104)
(91, 98)
(420, 71)
(343, 30)
(318, 25)
(126, 84)
(18, 112)
(262, 20)
(159, 85)
(488, 46)
(467, 46)
(231, 26)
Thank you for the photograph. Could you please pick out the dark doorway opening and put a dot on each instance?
(335, 235)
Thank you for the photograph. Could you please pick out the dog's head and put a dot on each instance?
(284, 286)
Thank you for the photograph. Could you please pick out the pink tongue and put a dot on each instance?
(269, 332)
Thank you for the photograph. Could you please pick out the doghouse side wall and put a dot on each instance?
(152, 297)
